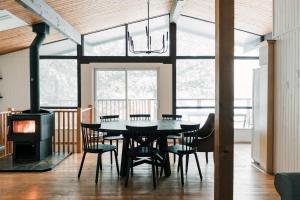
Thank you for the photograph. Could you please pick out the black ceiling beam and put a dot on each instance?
(129, 59)
(52, 18)
(176, 10)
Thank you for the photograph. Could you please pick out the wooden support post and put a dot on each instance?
(224, 99)
(79, 138)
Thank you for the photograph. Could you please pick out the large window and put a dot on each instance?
(58, 82)
(195, 37)
(195, 74)
(109, 42)
(195, 85)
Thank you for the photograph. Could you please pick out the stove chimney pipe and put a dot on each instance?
(41, 30)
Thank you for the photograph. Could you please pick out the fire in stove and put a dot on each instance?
(24, 126)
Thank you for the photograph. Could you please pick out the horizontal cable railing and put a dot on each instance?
(196, 109)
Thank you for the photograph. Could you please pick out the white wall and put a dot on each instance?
(164, 82)
(15, 86)
(287, 73)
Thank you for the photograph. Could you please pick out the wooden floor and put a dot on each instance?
(62, 183)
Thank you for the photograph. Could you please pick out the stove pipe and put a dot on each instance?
(41, 30)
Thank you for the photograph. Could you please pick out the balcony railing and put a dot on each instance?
(192, 109)
(198, 110)
(124, 108)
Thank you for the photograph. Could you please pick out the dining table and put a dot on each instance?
(164, 129)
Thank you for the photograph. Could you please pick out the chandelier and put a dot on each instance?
(148, 50)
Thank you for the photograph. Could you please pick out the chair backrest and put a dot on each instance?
(90, 135)
(189, 132)
(144, 136)
(209, 126)
(171, 117)
(140, 116)
(108, 118)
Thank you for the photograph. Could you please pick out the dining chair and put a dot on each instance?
(92, 143)
(139, 116)
(205, 139)
(175, 136)
(111, 135)
(144, 151)
(189, 134)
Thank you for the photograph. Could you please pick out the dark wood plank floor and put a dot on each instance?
(62, 183)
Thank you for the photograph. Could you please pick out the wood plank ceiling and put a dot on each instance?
(92, 15)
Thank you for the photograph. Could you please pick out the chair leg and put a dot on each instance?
(117, 164)
(100, 164)
(181, 170)
(97, 169)
(174, 142)
(153, 172)
(81, 165)
(206, 155)
(131, 167)
(110, 142)
(127, 171)
(186, 163)
(178, 165)
(198, 165)
(117, 147)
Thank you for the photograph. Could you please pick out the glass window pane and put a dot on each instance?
(58, 81)
(61, 48)
(110, 85)
(158, 27)
(195, 82)
(245, 43)
(110, 90)
(109, 42)
(142, 84)
(195, 37)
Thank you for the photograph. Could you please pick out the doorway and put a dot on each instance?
(125, 91)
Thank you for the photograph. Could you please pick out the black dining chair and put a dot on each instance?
(205, 141)
(175, 136)
(144, 151)
(139, 116)
(92, 143)
(111, 135)
(189, 134)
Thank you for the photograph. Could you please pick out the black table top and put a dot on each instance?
(162, 125)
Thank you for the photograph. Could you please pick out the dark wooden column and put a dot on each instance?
(173, 52)
(224, 99)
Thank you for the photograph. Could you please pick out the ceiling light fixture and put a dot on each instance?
(149, 50)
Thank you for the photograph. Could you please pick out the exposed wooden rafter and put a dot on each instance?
(51, 17)
(176, 10)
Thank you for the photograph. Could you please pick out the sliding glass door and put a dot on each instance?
(125, 92)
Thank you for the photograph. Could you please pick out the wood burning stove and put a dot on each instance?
(31, 131)
(31, 134)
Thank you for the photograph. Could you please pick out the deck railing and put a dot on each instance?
(3, 134)
(67, 137)
(124, 108)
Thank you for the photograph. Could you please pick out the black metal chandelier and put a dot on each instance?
(149, 50)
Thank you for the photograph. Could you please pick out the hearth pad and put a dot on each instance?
(7, 164)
